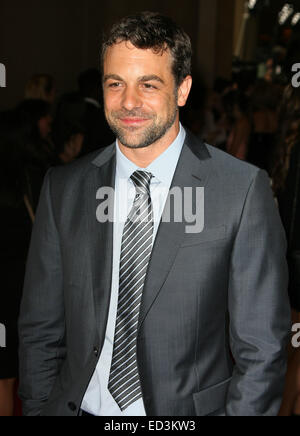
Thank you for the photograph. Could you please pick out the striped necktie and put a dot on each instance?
(124, 383)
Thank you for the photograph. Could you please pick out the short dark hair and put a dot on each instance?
(150, 30)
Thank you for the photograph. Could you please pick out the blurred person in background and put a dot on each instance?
(25, 156)
(286, 185)
(37, 148)
(236, 108)
(68, 129)
(15, 231)
(97, 131)
(41, 87)
(216, 126)
(264, 103)
(69, 144)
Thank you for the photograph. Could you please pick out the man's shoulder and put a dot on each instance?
(226, 166)
(231, 170)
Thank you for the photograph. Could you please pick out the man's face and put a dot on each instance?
(44, 125)
(140, 96)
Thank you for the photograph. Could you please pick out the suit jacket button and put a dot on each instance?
(96, 352)
(72, 406)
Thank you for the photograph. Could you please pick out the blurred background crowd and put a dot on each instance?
(242, 102)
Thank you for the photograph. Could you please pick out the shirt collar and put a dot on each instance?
(163, 168)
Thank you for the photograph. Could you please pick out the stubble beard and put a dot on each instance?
(150, 134)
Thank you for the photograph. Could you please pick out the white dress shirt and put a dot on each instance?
(98, 400)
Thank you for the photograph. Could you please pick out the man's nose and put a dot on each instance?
(131, 99)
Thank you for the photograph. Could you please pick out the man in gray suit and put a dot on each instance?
(148, 315)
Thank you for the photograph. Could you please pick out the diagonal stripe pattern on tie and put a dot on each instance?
(124, 383)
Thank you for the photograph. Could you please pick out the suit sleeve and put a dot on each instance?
(41, 322)
(258, 306)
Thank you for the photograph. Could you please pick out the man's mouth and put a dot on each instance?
(134, 121)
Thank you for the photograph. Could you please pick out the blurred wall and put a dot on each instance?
(224, 38)
(40, 37)
(63, 38)
(238, 23)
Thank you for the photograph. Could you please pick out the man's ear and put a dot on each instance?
(184, 90)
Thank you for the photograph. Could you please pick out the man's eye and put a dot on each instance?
(148, 86)
(115, 85)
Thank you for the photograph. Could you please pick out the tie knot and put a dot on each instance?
(142, 180)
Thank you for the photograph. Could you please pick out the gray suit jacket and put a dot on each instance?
(208, 297)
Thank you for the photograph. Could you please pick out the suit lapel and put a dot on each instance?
(192, 171)
(101, 236)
